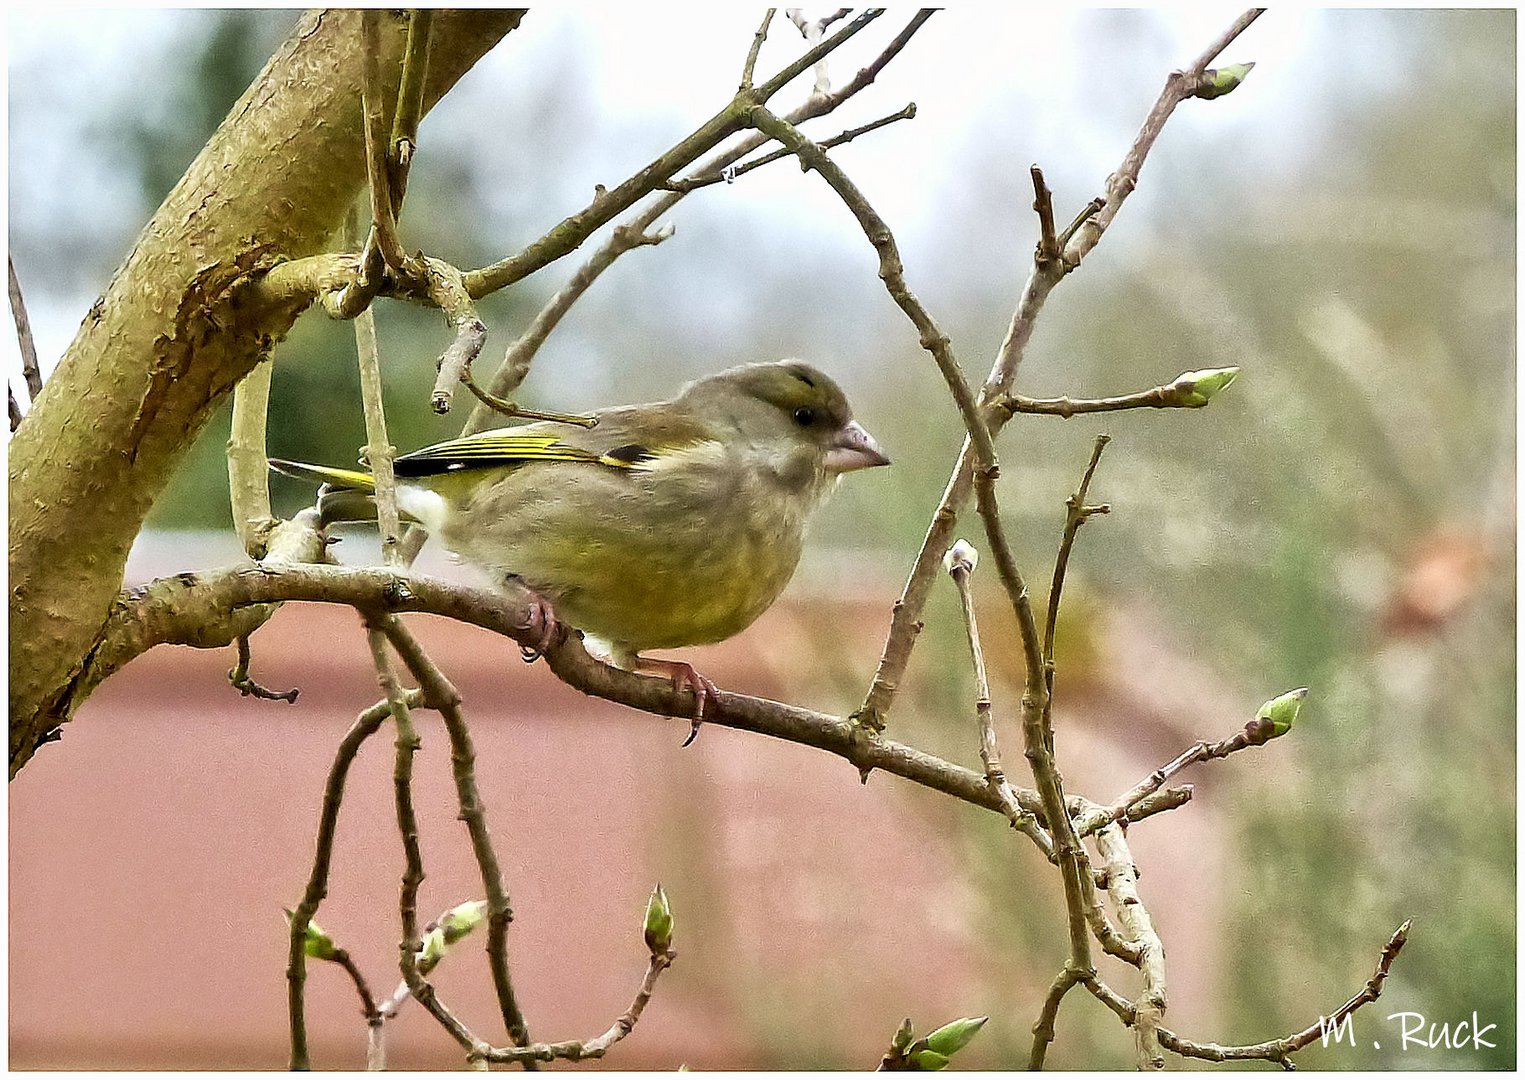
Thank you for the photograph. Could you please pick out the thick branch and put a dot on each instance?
(171, 344)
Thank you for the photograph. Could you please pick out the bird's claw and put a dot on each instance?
(543, 624)
(684, 677)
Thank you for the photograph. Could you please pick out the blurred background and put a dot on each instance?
(1342, 227)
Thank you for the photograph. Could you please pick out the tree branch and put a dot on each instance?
(515, 366)
(30, 372)
(441, 695)
(165, 610)
(905, 621)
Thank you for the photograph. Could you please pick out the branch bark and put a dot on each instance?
(171, 338)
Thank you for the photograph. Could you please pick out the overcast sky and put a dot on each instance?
(1010, 80)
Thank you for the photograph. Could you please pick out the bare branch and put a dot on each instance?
(1101, 816)
(891, 271)
(1179, 85)
(757, 43)
(515, 366)
(24, 340)
(379, 450)
(1277, 1050)
(165, 610)
(448, 292)
(410, 103)
(383, 211)
(731, 173)
(597, 1047)
(961, 562)
(516, 362)
(15, 409)
(572, 231)
(1043, 1027)
(363, 728)
(905, 622)
(441, 695)
(239, 677)
(1077, 512)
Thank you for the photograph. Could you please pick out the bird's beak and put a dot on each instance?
(854, 448)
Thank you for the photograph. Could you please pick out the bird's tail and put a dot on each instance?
(345, 494)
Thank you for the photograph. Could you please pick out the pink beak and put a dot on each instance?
(853, 449)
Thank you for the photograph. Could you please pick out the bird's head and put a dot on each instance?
(791, 403)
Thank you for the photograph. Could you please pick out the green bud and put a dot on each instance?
(1195, 389)
(1225, 80)
(929, 1061)
(1281, 712)
(658, 922)
(317, 944)
(904, 1037)
(953, 1037)
(462, 920)
(445, 931)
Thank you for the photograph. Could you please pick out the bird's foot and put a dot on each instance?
(684, 677)
(542, 624)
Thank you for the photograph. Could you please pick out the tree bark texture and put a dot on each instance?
(169, 340)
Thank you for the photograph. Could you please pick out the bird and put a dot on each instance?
(660, 526)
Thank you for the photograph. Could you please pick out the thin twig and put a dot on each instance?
(732, 173)
(504, 407)
(960, 566)
(598, 1046)
(1076, 515)
(1179, 85)
(569, 234)
(905, 623)
(811, 30)
(1043, 205)
(365, 725)
(239, 677)
(1197, 752)
(410, 103)
(407, 744)
(516, 361)
(1277, 1050)
(379, 450)
(515, 366)
(24, 339)
(757, 43)
(891, 271)
(1168, 396)
(1043, 1027)
(441, 695)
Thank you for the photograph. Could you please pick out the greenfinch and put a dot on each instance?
(664, 525)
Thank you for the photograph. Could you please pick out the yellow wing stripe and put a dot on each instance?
(503, 449)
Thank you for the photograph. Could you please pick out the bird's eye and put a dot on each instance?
(804, 416)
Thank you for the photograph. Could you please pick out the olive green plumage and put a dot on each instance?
(668, 524)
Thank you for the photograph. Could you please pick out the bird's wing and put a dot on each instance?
(495, 448)
(625, 438)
